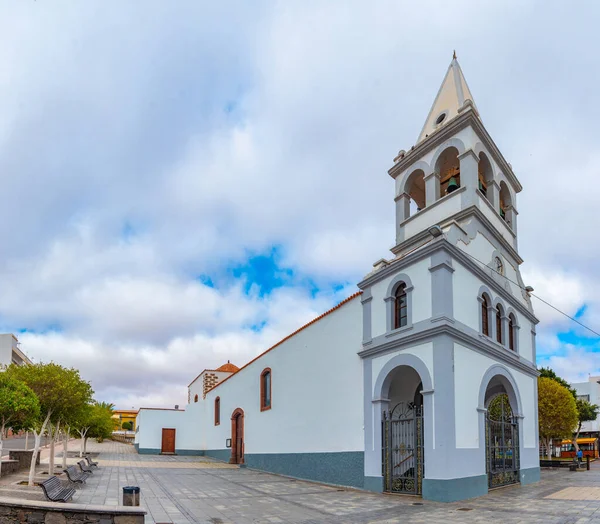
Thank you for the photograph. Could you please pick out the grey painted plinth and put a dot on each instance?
(374, 484)
(452, 490)
(529, 475)
(342, 469)
(149, 451)
(190, 452)
(219, 454)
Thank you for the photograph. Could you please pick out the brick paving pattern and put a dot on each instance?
(199, 490)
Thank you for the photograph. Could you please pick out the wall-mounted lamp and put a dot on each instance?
(435, 231)
(228, 443)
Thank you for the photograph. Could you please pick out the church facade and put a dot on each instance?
(424, 381)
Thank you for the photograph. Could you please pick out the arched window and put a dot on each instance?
(265, 389)
(498, 324)
(217, 411)
(401, 307)
(485, 325)
(196, 398)
(511, 332)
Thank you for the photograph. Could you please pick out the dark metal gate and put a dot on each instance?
(402, 449)
(502, 449)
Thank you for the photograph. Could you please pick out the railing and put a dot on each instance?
(124, 438)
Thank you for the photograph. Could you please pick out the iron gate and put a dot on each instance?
(402, 435)
(502, 450)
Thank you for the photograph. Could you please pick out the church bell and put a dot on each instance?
(452, 186)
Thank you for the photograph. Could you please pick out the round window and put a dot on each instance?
(440, 119)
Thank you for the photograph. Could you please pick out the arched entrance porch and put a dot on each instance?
(401, 418)
(500, 397)
(403, 461)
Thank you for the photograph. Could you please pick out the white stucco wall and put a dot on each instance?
(421, 296)
(152, 421)
(466, 288)
(446, 206)
(317, 392)
(469, 368)
(467, 309)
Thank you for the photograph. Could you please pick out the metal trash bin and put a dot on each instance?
(131, 496)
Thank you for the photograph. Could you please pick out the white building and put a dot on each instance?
(589, 391)
(10, 353)
(389, 390)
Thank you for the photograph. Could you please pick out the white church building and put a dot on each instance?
(389, 391)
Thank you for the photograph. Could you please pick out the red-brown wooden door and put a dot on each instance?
(237, 437)
(168, 441)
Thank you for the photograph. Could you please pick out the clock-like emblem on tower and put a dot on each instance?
(499, 266)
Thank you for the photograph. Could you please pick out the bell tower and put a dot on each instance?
(448, 326)
(453, 153)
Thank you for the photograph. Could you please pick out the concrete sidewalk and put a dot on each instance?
(187, 489)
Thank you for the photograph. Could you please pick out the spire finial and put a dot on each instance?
(454, 55)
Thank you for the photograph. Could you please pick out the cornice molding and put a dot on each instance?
(465, 260)
(458, 334)
(451, 128)
(463, 214)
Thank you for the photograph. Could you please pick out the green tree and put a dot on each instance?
(61, 393)
(548, 373)
(557, 412)
(127, 426)
(586, 411)
(19, 406)
(82, 422)
(101, 422)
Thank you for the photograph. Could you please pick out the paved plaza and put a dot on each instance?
(199, 490)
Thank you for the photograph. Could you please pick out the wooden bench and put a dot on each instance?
(55, 491)
(84, 467)
(76, 476)
(90, 462)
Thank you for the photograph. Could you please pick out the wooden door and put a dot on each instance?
(237, 437)
(168, 441)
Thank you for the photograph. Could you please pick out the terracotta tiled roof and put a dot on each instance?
(351, 297)
(229, 367)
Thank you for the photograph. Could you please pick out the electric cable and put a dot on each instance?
(534, 295)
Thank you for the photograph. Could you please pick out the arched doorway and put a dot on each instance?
(403, 457)
(501, 433)
(237, 437)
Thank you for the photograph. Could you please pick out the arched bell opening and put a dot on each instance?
(485, 175)
(448, 167)
(415, 188)
(505, 202)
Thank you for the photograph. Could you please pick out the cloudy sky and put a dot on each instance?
(186, 182)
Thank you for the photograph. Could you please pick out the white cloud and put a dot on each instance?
(216, 130)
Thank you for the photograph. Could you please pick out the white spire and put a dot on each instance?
(450, 98)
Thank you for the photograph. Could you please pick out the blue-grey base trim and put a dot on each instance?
(374, 484)
(345, 468)
(136, 446)
(529, 475)
(190, 452)
(219, 454)
(451, 490)
(149, 451)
